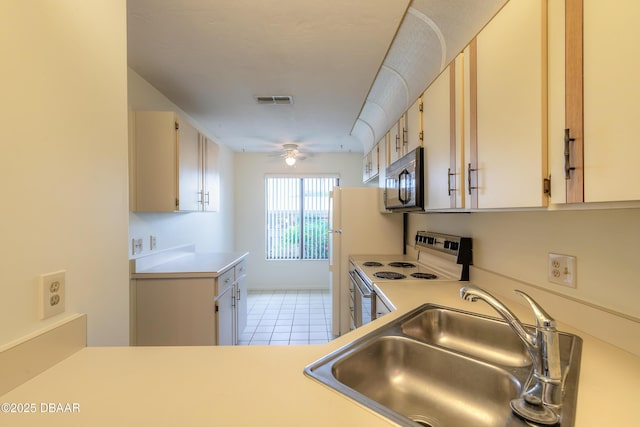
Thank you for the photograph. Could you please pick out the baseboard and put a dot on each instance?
(29, 356)
(614, 328)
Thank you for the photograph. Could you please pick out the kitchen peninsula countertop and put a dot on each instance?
(184, 262)
(246, 386)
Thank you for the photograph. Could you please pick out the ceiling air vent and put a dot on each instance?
(275, 100)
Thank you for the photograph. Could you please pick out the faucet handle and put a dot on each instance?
(543, 319)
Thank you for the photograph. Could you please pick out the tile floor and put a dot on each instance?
(288, 317)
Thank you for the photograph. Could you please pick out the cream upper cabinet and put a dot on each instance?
(209, 195)
(176, 168)
(413, 127)
(442, 121)
(366, 171)
(166, 162)
(507, 115)
(371, 164)
(600, 40)
(382, 174)
(395, 142)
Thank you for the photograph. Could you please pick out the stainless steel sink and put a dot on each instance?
(442, 367)
(427, 383)
(485, 338)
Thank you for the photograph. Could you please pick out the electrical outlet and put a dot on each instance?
(153, 241)
(51, 294)
(562, 270)
(136, 246)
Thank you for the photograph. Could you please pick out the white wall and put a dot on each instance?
(211, 231)
(63, 163)
(516, 244)
(250, 171)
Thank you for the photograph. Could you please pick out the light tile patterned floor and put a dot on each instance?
(287, 317)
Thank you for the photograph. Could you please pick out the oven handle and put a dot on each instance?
(363, 288)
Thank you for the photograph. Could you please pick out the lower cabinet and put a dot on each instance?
(381, 307)
(231, 304)
(191, 311)
(176, 311)
(225, 308)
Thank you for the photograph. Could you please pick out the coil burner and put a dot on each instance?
(427, 276)
(401, 264)
(389, 275)
(372, 264)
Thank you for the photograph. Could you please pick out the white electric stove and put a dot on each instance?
(441, 257)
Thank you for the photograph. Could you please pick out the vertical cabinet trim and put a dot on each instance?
(472, 169)
(574, 98)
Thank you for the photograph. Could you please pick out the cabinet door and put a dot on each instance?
(225, 303)
(167, 163)
(413, 126)
(189, 197)
(155, 161)
(241, 297)
(606, 53)
(382, 174)
(395, 143)
(371, 164)
(375, 161)
(175, 312)
(381, 308)
(366, 172)
(611, 94)
(511, 108)
(442, 138)
(210, 193)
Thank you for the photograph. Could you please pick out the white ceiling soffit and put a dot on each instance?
(431, 35)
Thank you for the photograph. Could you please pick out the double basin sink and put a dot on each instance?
(442, 367)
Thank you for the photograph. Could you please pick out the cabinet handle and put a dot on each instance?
(397, 142)
(449, 188)
(469, 170)
(405, 137)
(567, 154)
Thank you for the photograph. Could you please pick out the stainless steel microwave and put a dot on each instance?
(404, 183)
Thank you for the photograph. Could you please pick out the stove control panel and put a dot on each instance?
(460, 247)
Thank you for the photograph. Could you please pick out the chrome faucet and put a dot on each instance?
(541, 402)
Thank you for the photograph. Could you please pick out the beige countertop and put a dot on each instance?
(243, 386)
(187, 264)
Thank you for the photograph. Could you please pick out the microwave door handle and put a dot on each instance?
(402, 186)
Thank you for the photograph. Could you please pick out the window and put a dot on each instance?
(298, 217)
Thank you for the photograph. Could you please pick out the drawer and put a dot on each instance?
(225, 280)
(240, 270)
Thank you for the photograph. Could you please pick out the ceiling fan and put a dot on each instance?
(291, 154)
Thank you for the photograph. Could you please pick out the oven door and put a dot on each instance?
(362, 308)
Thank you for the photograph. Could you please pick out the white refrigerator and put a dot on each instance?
(357, 227)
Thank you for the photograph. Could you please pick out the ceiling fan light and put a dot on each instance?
(290, 160)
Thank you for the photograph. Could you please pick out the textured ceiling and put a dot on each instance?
(352, 67)
(211, 57)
